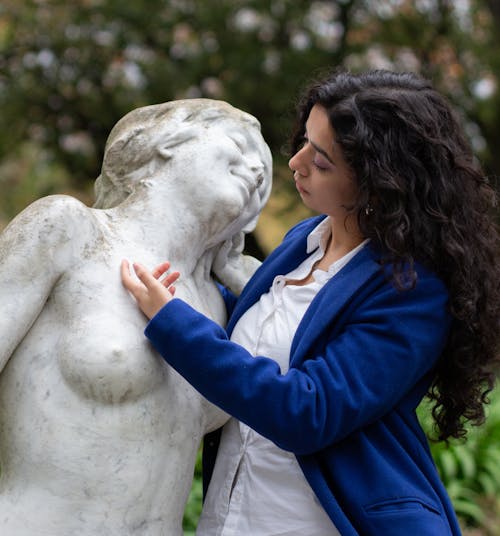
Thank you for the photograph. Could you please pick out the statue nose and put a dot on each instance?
(257, 168)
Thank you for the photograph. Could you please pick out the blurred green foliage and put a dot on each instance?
(193, 506)
(70, 70)
(470, 469)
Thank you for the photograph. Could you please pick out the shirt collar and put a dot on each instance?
(318, 237)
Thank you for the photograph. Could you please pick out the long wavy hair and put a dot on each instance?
(423, 197)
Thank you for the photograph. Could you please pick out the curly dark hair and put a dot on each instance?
(424, 198)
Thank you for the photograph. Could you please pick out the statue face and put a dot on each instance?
(224, 172)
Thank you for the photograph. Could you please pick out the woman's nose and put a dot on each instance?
(296, 163)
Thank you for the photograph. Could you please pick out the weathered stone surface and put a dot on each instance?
(98, 436)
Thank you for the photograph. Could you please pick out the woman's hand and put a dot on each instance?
(150, 292)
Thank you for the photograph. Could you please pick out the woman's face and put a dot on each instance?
(322, 177)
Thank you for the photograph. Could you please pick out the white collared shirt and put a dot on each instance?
(258, 489)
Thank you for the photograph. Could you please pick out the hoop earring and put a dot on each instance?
(368, 209)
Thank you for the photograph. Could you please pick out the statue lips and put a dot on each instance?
(251, 182)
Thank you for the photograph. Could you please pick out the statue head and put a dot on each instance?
(206, 145)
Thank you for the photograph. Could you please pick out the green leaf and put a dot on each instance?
(487, 484)
(447, 464)
(466, 461)
(468, 509)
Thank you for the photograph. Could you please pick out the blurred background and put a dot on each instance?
(70, 70)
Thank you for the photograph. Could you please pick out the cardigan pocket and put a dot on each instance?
(404, 515)
(400, 506)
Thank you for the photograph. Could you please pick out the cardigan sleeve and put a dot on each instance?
(229, 298)
(353, 376)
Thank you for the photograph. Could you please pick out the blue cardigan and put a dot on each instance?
(361, 361)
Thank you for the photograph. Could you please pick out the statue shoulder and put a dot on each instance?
(59, 205)
(51, 222)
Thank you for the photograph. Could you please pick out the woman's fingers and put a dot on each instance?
(169, 279)
(127, 280)
(150, 278)
(151, 294)
(160, 269)
(145, 275)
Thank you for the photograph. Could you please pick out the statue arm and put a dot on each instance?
(32, 258)
(232, 267)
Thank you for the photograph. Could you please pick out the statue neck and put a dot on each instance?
(168, 233)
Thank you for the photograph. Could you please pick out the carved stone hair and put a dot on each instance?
(143, 139)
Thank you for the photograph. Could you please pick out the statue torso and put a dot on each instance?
(93, 423)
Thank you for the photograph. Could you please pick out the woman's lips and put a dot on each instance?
(299, 188)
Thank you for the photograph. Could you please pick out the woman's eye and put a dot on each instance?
(320, 163)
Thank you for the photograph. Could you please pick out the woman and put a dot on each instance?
(97, 435)
(391, 294)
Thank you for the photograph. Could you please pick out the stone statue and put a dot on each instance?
(98, 436)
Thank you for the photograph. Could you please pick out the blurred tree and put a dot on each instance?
(89, 62)
(70, 70)
(454, 43)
